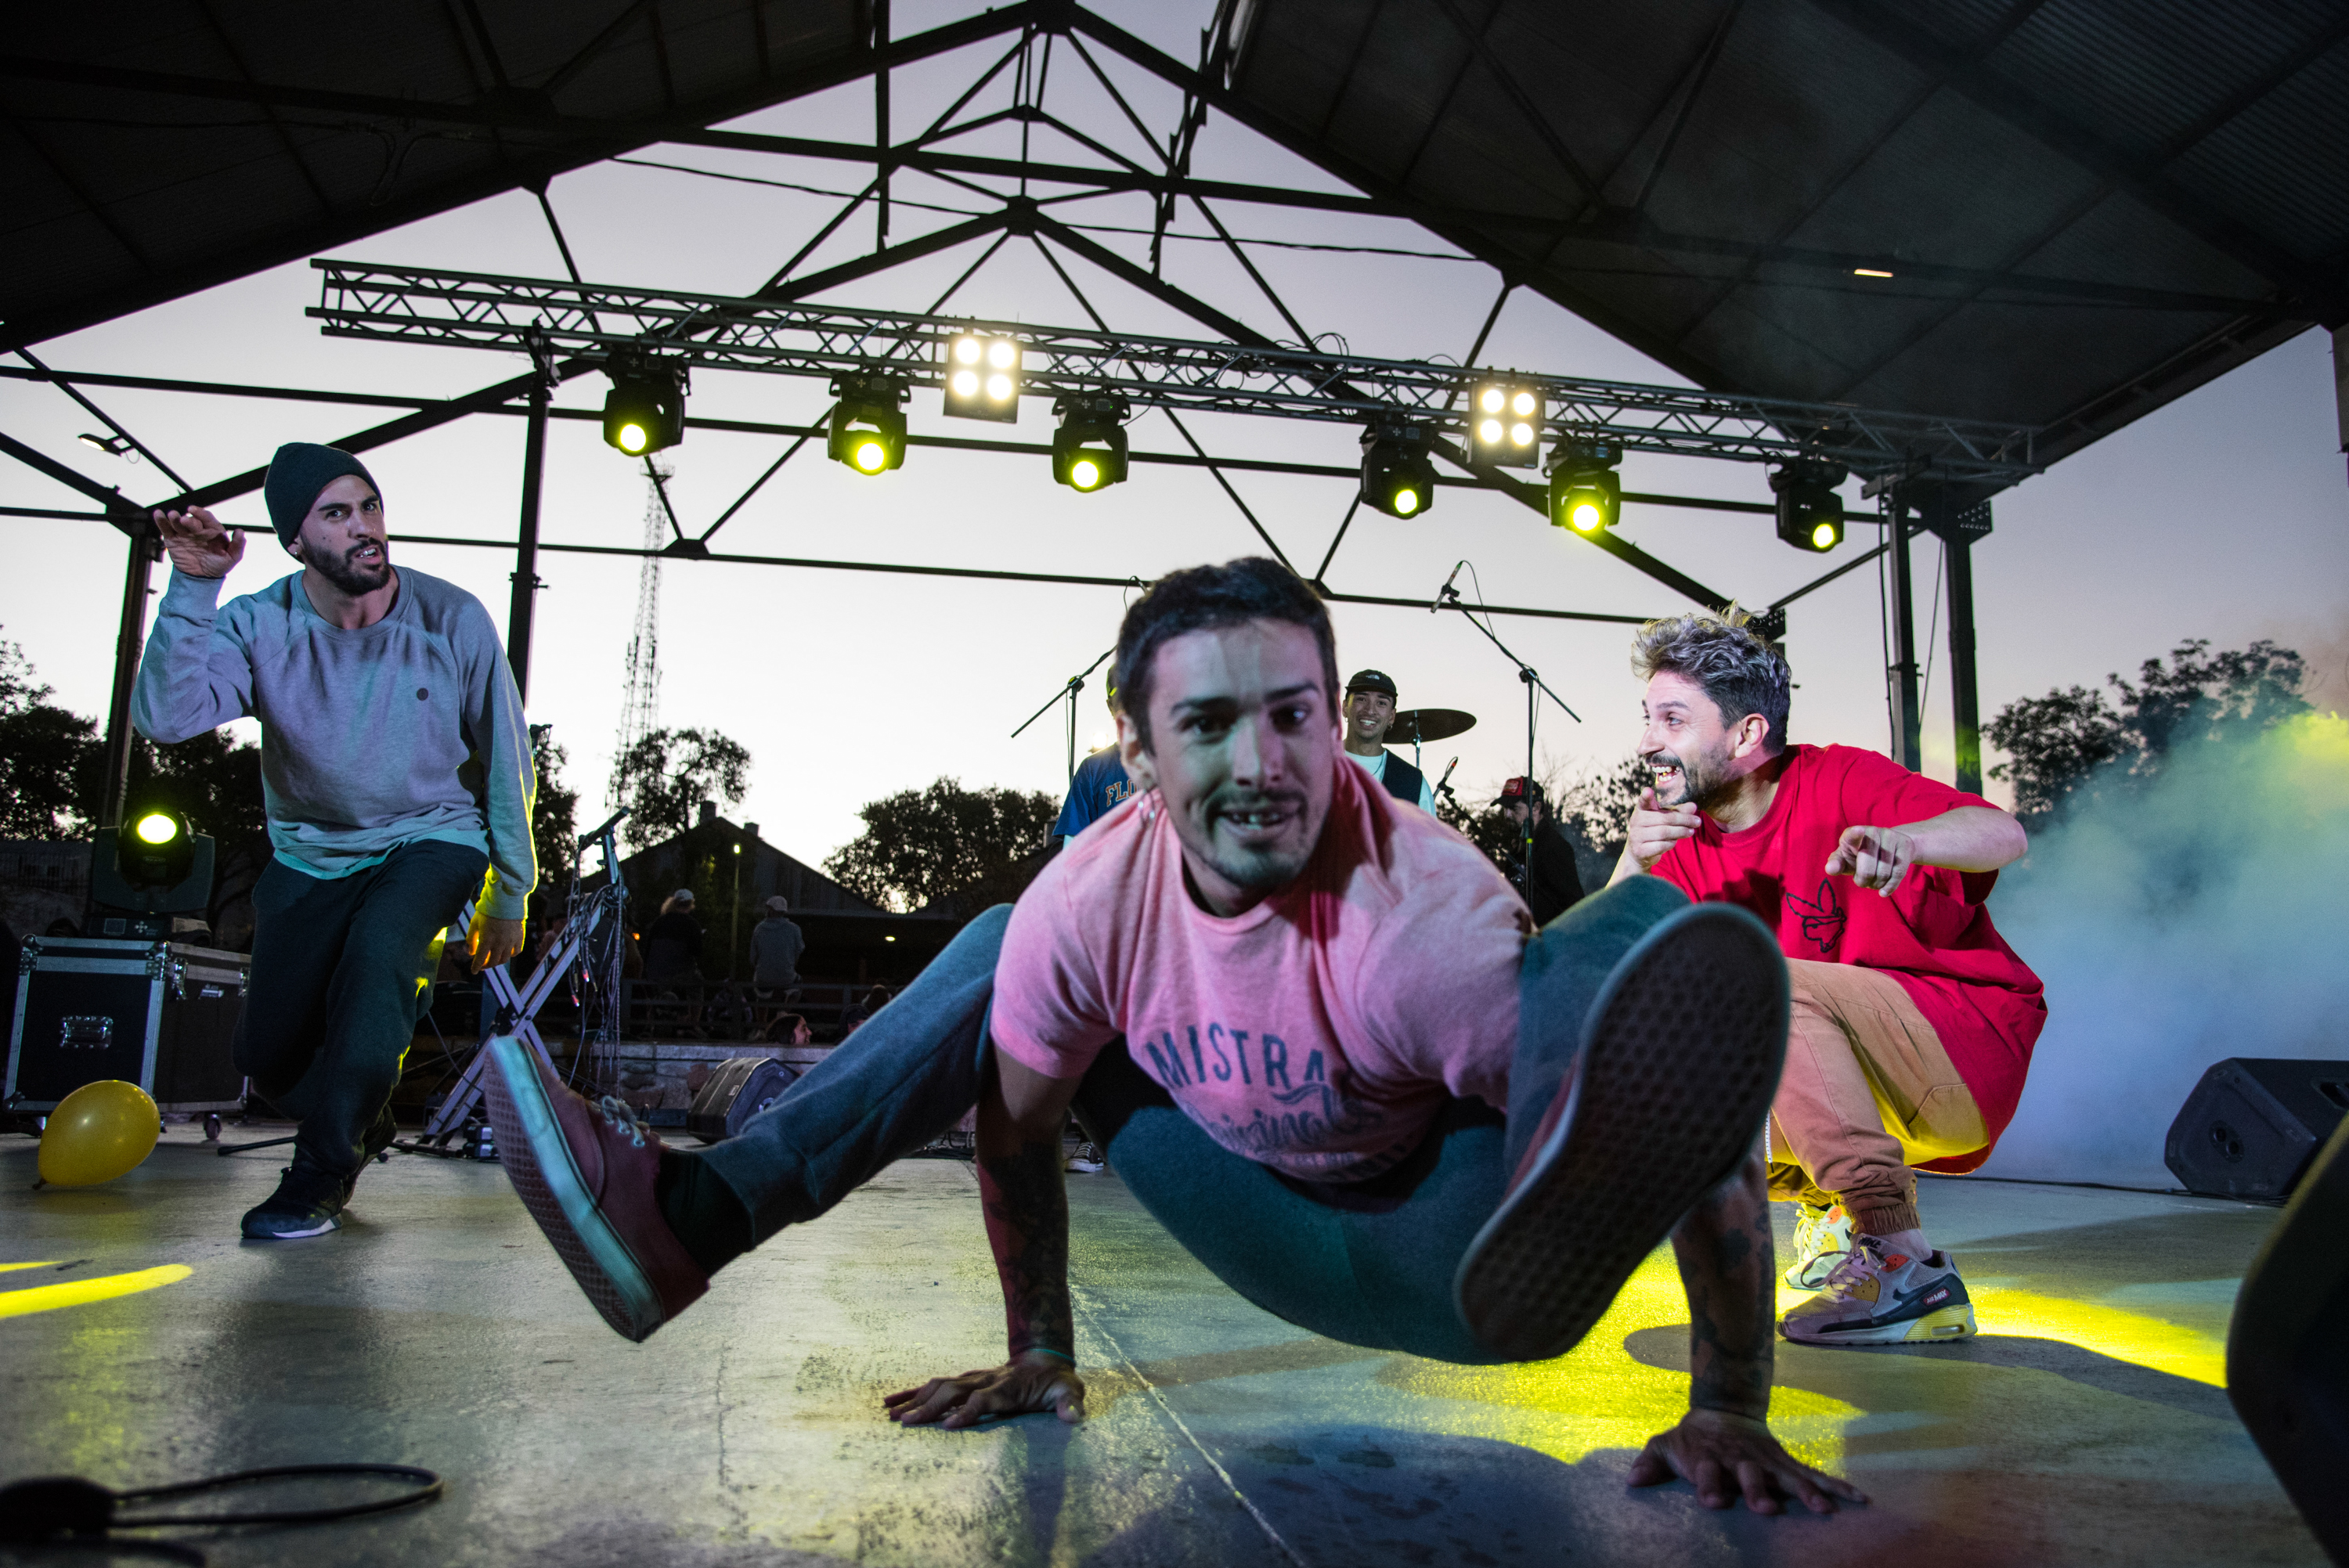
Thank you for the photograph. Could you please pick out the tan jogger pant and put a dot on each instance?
(1868, 1092)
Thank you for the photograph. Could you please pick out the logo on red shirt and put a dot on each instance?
(1822, 921)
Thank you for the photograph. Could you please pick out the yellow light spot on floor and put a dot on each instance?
(2130, 1336)
(1597, 1397)
(82, 1292)
(5, 1268)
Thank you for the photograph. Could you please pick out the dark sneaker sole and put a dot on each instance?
(538, 1162)
(1682, 1058)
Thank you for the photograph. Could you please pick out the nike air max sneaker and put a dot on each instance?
(1822, 1239)
(1874, 1295)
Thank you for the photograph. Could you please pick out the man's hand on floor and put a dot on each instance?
(1032, 1380)
(1721, 1455)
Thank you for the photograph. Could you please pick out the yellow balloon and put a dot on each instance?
(98, 1132)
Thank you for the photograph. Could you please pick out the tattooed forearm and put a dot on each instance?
(1026, 1207)
(1726, 1260)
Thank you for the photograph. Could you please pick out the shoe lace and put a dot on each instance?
(1861, 1262)
(623, 1118)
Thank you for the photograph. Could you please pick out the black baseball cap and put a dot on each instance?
(1372, 680)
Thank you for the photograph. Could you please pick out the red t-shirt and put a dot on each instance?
(1934, 935)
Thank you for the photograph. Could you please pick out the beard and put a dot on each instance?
(1262, 867)
(1701, 777)
(351, 575)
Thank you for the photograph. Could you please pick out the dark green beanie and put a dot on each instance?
(297, 474)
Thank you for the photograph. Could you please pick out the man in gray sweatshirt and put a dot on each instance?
(396, 763)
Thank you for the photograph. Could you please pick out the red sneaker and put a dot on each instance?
(1679, 1062)
(584, 1171)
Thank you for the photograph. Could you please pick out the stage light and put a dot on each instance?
(1585, 494)
(158, 851)
(1397, 478)
(868, 423)
(1810, 512)
(1089, 448)
(1504, 424)
(112, 446)
(981, 377)
(645, 410)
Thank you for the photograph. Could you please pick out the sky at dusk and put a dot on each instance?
(2223, 516)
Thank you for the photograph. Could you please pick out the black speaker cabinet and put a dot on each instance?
(162, 1015)
(2252, 1124)
(2288, 1349)
(740, 1089)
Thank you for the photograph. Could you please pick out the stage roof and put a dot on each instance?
(2087, 211)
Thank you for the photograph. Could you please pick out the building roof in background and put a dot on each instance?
(2087, 210)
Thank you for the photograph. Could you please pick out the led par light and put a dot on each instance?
(981, 378)
(868, 423)
(1089, 447)
(1810, 512)
(156, 850)
(1585, 494)
(1397, 478)
(645, 410)
(1504, 423)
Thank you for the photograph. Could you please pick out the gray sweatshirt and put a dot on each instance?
(410, 728)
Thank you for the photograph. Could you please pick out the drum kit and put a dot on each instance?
(1416, 726)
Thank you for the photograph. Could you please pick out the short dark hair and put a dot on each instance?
(1738, 670)
(1199, 598)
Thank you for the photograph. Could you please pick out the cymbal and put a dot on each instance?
(1425, 724)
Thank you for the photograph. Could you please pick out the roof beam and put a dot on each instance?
(2142, 177)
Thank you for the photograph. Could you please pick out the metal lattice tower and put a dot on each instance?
(640, 694)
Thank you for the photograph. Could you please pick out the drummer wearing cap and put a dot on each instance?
(1370, 714)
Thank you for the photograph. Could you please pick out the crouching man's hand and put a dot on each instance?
(1721, 1455)
(1031, 1380)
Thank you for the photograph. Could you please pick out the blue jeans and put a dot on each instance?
(1367, 1263)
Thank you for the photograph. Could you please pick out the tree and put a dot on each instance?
(664, 777)
(41, 749)
(923, 845)
(2057, 744)
(553, 825)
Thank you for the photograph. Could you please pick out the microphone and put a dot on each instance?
(1444, 785)
(1437, 603)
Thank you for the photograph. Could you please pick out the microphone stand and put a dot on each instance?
(1076, 684)
(1449, 596)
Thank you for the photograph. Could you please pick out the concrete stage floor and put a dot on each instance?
(2087, 1425)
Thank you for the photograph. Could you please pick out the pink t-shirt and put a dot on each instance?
(1317, 1033)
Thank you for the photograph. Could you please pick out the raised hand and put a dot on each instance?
(1724, 1456)
(1031, 1380)
(199, 545)
(1877, 858)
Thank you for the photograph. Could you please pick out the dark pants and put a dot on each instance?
(342, 970)
(1369, 1263)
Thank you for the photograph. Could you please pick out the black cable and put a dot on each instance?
(73, 1513)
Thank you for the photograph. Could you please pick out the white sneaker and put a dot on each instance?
(1874, 1295)
(1822, 1239)
(1086, 1160)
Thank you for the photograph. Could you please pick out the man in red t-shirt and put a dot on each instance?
(1913, 1020)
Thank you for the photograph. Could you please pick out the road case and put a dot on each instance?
(161, 1015)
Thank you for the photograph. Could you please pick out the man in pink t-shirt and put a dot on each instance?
(1315, 1034)
(1913, 1020)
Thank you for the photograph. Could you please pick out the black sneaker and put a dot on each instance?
(308, 1203)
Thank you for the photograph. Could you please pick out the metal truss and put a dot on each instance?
(476, 310)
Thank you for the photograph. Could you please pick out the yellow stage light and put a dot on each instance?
(158, 828)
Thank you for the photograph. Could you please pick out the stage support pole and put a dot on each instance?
(1965, 707)
(525, 574)
(128, 640)
(1907, 731)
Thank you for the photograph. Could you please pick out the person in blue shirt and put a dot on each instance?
(1099, 785)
